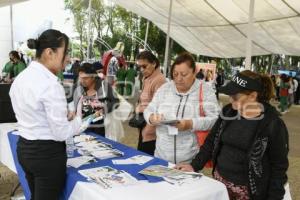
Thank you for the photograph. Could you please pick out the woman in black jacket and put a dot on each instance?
(249, 142)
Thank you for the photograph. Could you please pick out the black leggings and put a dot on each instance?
(44, 164)
(147, 147)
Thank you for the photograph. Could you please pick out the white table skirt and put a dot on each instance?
(205, 189)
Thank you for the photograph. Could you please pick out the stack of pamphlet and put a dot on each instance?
(83, 138)
(79, 161)
(171, 175)
(108, 177)
(88, 146)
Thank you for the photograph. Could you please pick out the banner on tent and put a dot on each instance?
(208, 68)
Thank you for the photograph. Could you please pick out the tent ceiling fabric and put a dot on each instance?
(219, 28)
(8, 2)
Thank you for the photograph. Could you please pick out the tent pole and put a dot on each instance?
(89, 31)
(249, 36)
(11, 27)
(146, 35)
(168, 39)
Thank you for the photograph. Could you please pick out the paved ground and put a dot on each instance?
(8, 179)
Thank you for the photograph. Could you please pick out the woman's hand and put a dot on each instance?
(156, 118)
(99, 113)
(184, 125)
(184, 167)
(71, 115)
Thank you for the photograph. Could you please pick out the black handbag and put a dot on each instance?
(137, 121)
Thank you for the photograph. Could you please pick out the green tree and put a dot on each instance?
(77, 7)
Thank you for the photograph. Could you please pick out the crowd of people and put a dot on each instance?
(287, 91)
(247, 141)
(126, 80)
(13, 67)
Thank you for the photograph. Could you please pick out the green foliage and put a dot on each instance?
(113, 23)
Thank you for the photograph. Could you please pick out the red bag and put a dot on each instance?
(284, 92)
(105, 60)
(201, 135)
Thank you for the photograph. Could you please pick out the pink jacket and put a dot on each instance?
(150, 86)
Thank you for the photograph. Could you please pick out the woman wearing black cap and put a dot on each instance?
(40, 106)
(95, 95)
(249, 142)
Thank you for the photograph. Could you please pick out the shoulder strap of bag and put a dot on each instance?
(201, 109)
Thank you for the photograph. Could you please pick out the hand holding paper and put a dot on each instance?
(86, 122)
(156, 118)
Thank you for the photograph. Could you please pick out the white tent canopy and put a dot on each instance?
(218, 28)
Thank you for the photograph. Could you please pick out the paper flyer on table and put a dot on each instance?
(107, 153)
(79, 161)
(138, 159)
(93, 143)
(97, 149)
(83, 138)
(171, 175)
(108, 177)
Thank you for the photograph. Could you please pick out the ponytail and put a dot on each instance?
(22, 58)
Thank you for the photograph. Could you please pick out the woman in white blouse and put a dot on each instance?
(40, 106)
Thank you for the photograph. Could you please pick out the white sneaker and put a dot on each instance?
(284, 112)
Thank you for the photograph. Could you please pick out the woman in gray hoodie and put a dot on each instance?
(179, 100)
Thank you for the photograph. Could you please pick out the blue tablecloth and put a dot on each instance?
(72, 174)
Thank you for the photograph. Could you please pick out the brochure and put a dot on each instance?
(171, 175)
(83, 138)
(79, 161)
(138, 159)
(98, 149)
(108, 177)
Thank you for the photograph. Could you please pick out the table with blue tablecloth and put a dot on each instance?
(78, 188)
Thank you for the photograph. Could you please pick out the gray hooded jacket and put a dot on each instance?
(174, 105)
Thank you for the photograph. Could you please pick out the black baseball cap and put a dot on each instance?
(87, 68)
(97, 65)
(240, 83)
